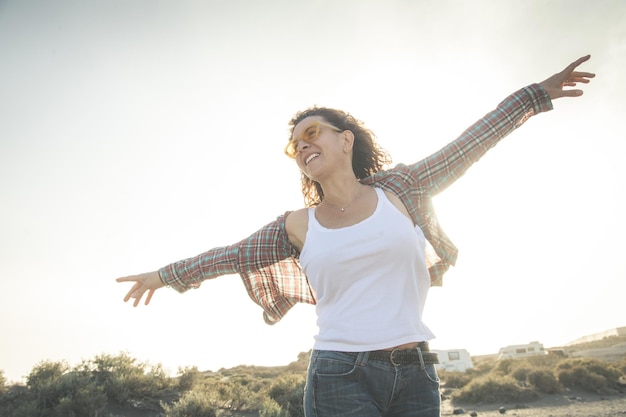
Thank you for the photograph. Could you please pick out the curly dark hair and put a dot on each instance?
(367, 156)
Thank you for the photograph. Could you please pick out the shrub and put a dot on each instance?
(189, 377)
(241, 398)
(504, 366)
(125, 379)
(53, 390)
(82, 400)
(543, 361)
(301, 365)
(192, 404)
(482, 368)
(288, 391)
(22, 409)
(544, 381)
(492, 389)
(270, 408)
(43, 383)
(622, 368)
(453, 379)
(215, 391)
(3, 383)
(521, 372)
(588, 374)
(227, 394)
(582, 378)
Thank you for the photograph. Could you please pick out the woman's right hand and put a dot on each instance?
(569, 77)
(148, 282)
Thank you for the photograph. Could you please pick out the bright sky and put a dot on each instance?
(137, 133)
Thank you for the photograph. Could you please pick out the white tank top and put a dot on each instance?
(370, 281)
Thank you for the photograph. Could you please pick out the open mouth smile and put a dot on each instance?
(310, 158)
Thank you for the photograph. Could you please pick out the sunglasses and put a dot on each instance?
(309, 134)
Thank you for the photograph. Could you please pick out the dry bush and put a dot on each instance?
(454, 379)
(543, 380)
(270, 408)
(54, 390)
(288, 391)
(621, 366)
(125, 379)
(493, 389)
(3, 383)
(483, 367)
(543, 361)
(588, 374)
(521, 372)
(188, 378)
(192, 404)
(229, 394)
(504, 366)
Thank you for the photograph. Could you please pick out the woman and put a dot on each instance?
(365, 250)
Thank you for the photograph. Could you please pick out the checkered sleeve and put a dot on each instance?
(266, 262)
(189, 273)
(252, 253)
(274, 281)
(441, 169)
(417, 183)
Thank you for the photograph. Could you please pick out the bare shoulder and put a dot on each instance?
(398, 203)
(296, 225)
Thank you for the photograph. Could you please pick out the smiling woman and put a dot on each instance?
(366, 156)
(366, 249)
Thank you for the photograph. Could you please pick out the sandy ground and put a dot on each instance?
(549, 406)
(568, 405)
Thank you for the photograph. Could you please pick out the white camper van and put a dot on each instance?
(520, 351)
(454, 360)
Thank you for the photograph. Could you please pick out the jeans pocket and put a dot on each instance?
(329, 363)
(430, 373)
(333, 384)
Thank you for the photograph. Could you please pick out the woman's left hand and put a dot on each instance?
(144, 283)
(567, 78)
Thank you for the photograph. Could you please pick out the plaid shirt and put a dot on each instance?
(268, 263)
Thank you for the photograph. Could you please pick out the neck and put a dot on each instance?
(341, 195)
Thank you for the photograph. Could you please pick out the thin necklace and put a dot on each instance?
(343, 209)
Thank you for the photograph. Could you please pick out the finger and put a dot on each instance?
(131, 293)
(580, 74)
(579, 61)
(573, 81)
(580, 78)
(149, 297)
(138, 298)
(569, 70)
(572, 93)
(129, 278)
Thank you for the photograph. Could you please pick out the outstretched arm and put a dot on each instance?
(567, 78)
(264, 260)
(441, 169)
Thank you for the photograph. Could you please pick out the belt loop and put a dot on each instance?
(419, 351)
(361, 358)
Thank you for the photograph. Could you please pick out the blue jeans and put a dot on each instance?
(342, 384)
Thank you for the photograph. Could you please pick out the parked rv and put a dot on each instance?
(454, 360)
(520, 351)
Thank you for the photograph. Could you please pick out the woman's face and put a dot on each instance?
(316, 145)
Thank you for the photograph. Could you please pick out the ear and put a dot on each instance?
(348, 141)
